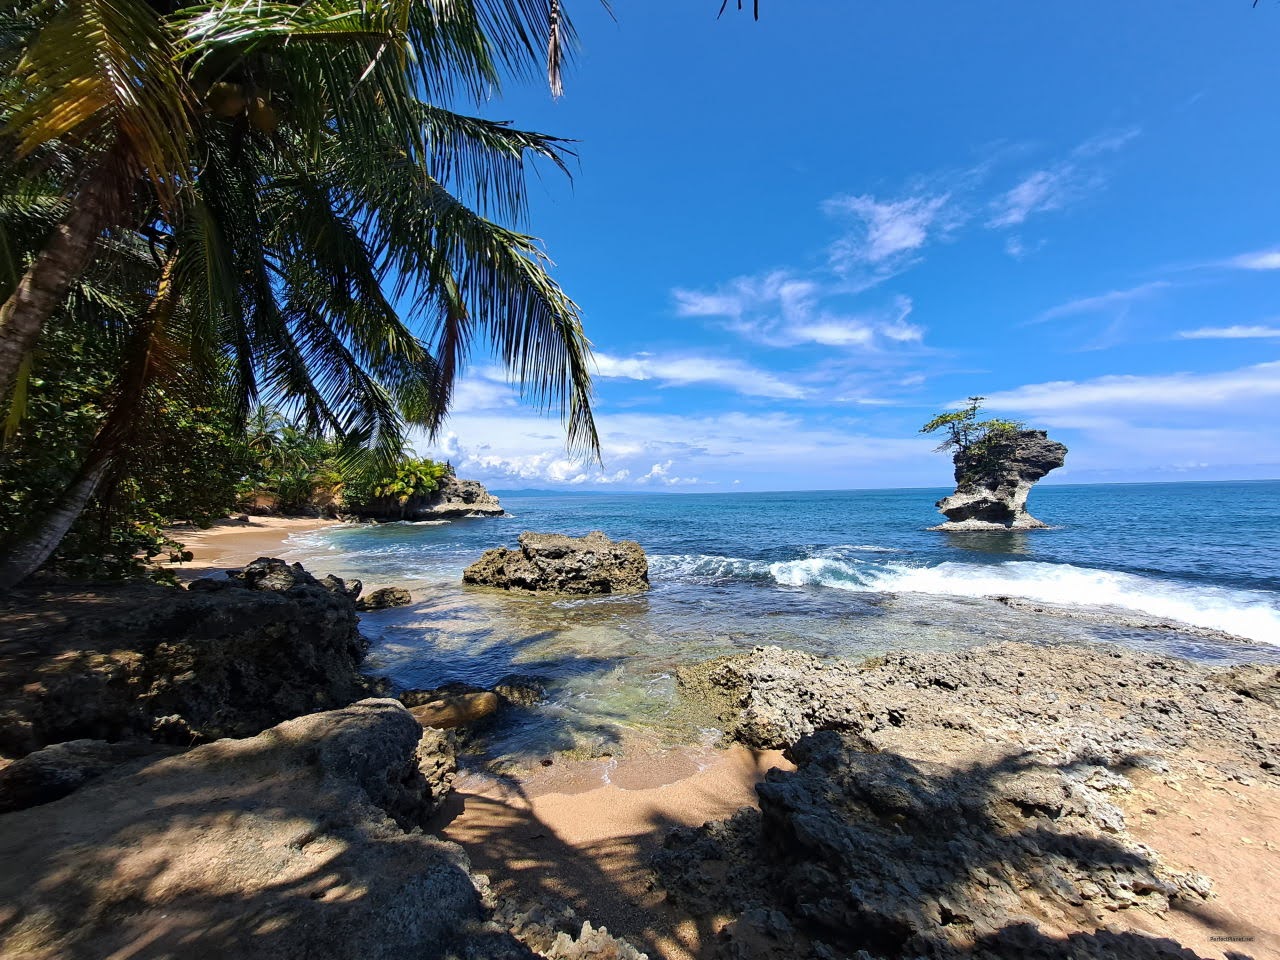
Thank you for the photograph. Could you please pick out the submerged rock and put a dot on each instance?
(227, 658)
(556, 563)
(452, 500)
(992, 486)
(385, 598)
(457, 708)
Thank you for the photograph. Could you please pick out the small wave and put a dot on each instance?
(706, 567)
(420, 523)
(864, 548)
(1245, 613)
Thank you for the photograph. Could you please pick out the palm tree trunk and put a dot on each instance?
(29, 554)
(65, 255)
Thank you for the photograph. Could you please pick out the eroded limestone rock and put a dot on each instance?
(452, 500)
(992, 487)
(227, 658)
(555, 563)
(290, 844)
(958, 805)
(384, 598)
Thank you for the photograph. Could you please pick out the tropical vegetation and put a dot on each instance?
(228, 205)
(974, 444)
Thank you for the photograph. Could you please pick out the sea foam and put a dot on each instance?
(1244, 613)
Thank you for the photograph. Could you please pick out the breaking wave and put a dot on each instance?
(1252, 614)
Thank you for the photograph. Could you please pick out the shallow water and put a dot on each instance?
(849, 573)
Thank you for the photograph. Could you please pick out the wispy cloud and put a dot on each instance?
(691, 370)
(885, 230)
(1258, 260)
(1237, 332)
(780, 310)
(1060, 184)
(1175, 391)
(1112, 300)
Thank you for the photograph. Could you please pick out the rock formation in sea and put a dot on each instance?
(992, 483)
(452, 500)
(555, 563)
(961, 805)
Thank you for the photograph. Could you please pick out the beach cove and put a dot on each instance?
(625, 762)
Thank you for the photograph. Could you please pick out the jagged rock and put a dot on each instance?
(348, 588)
(57, 770)
(291, 844)
(956, 805)
(384, 598)
(862, 851)
(521, 690)
(556, 563)
(181, 666)
(555, 931)
(268, 573)
(1130, 708)
(1257, 681)
(452, 500)
(992, 488)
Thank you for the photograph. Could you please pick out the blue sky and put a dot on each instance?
(796, 239)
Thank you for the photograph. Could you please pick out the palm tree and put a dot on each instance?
(300, 187)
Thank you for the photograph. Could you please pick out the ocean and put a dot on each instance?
(836, 573)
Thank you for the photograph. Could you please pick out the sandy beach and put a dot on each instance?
(591, 849)
(232, 543)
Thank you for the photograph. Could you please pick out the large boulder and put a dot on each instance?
(992, 485)
(227, 658)
(452, 500)
(555, 563)
(290, 844)
(301, 843)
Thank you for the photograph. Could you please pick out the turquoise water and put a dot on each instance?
(844, 573)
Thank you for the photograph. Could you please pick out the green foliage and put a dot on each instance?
(412, 477)
(185, 463)
(296, 471)
(976, 445)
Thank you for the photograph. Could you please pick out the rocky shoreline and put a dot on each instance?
(989, 803)
(965, 804)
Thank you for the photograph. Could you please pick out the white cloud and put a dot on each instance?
(887, 229)
(1231, 333)
(649, 451)
(1105, 301)
(1059, 184)
(780, 310)
(1039, 192)
(694, 370)
(1171, 392)
(1258, 260)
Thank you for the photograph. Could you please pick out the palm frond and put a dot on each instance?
(102, 72)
